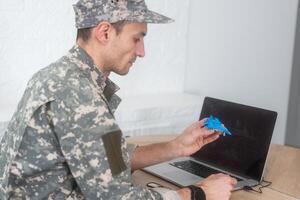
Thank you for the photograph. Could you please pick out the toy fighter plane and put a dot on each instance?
(215, 124)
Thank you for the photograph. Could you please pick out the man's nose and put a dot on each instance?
(140, 49)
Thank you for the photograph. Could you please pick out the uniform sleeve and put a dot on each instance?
(131, 148)
(168, 194)
(90, 141)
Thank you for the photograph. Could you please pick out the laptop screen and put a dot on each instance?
(245, 151)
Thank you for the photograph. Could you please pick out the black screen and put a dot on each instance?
(245, 151)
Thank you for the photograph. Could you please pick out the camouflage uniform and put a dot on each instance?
(63, 141)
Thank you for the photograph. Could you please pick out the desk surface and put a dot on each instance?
(283, 170)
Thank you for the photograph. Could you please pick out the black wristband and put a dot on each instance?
(197, 193)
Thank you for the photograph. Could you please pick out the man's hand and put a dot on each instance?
(193, 138)
(217, 186)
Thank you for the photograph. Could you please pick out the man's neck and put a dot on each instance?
(90, 50)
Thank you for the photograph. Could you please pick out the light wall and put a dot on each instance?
(242, 51)
(293, 118)
(33, 34)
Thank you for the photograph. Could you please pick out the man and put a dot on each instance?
(63, 141)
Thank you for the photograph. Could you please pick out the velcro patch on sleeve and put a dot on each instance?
(112, 145)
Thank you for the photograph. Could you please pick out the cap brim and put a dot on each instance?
(150, 17)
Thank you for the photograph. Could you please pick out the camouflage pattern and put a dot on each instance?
(53, 147)
(88, 13)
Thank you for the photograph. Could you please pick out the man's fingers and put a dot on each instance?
(202, 121)
(233, 181)
(210, 132)
(207, 134)
(211, 138)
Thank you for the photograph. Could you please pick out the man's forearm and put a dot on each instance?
(144, 156)
(193, 138)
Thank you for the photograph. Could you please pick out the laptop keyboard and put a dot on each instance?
(196, 168)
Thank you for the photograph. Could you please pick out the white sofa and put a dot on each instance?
(158, 114)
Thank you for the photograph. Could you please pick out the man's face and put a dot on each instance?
(126, 46)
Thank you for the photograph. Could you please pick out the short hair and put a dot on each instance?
(85, 33)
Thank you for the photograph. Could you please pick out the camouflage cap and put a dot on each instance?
(89, 13)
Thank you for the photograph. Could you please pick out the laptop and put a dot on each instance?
(241, 155)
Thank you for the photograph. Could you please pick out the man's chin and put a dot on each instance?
(122, 73)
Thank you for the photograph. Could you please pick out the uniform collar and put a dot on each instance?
(107, 88)
(86, 63)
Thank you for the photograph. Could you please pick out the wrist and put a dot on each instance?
(175, 148)
(184, 193)
(197, 193)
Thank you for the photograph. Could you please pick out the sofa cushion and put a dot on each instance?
(158, 114)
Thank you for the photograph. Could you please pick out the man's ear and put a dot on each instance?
(103, 32)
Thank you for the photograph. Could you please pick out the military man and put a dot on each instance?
(63, 141)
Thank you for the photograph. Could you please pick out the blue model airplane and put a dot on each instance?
(214, 123)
